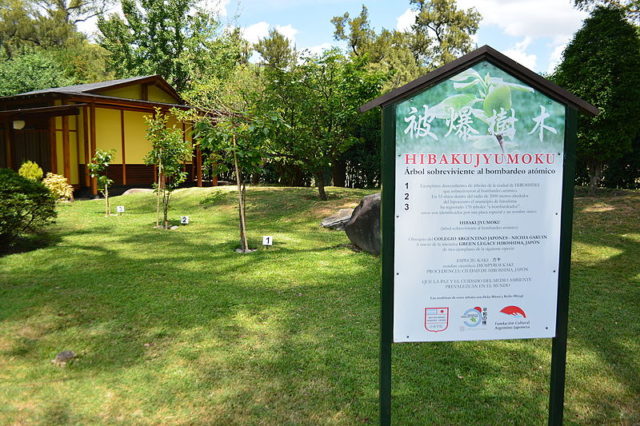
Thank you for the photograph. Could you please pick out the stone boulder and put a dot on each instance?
(338, 220)
(63, 358)
(137, 191)
(363, 229)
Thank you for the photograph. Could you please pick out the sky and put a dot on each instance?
(532, 32)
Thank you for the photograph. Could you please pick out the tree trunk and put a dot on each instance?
(595, 169)
(165, 208)
(339, 173)
(244, 245)
(107, 207)
(320, 183)
(158, 195)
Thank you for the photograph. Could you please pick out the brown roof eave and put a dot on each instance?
(51, 111)
(496, 58)
(111, 100)
(157, 80)
(31, 96)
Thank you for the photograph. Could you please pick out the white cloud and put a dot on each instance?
(519, 53)
(219, 7)
(288, 31)
(253, 33)
(406, 20)
(529, 18)
(558, 45)
(316, 50)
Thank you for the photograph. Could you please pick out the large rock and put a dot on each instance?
(338, 220)
(363, 229)
(137, 191)
(63, 358)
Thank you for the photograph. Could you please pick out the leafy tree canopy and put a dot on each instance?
(601, 66)
(276, 50)
(630, 7)
(167, 37)
(31, 71)
(40, 42)
(440, 33)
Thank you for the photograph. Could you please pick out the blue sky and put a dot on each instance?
(533, 32)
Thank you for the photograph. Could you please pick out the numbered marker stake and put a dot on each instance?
(267, 241)
(120, 209)
(184, 220)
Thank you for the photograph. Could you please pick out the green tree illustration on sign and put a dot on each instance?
(479, 109)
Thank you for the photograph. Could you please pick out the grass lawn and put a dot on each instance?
(174, 327)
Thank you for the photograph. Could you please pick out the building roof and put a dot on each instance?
(89, 87)
(485, 53)
(94, 89)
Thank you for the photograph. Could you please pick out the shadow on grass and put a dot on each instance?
(258, 348)
(196, 333)
(604, 294)
(27, 243)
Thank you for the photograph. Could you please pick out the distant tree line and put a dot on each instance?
(298, 123)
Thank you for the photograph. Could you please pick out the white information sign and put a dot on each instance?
(184, 220)
(478, 198)
(267, 241)
(119, 209)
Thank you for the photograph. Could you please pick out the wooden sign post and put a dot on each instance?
(477, 197)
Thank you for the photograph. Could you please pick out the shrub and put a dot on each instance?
(25, 206)
(59, 187)
(98, 168)
(31, 171)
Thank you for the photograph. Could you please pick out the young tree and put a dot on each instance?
(601, 66)
(98, 169)
(321, 98)
(168, 153)
(232, 121)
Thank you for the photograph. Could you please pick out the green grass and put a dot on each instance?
(174, 327)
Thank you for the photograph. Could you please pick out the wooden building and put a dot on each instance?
(61, 128)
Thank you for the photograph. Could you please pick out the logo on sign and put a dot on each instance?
(515, 311)
(473, 317)
(436, 319)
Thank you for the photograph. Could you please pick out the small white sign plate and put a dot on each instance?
(267, 241)
(120, 209)
(184, 220)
